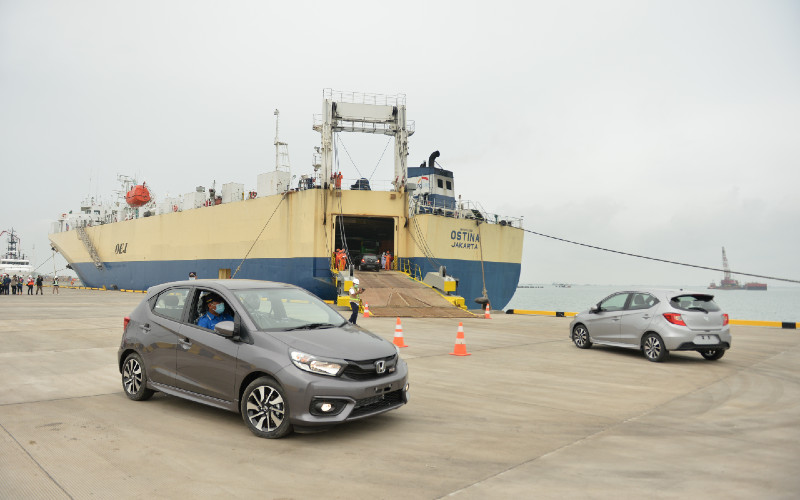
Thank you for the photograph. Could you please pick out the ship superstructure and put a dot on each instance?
(13, 261)
(290, 233)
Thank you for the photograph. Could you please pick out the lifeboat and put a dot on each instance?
(138, 196)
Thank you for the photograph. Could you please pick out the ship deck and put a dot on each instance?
(526, 415)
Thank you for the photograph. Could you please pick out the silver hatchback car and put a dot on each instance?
(656, 322)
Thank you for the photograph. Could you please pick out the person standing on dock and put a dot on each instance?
(55, 285)
(383, 260)
(355, 300)
(39, 282)
(30, 285)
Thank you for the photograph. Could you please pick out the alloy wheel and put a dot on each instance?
(265, 408)
(132, 377)
(580, 335)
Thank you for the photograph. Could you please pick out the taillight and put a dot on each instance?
(724, 319)
(674, 318)
(125, 323)
(362, 261)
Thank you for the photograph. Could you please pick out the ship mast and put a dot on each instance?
(281, 149)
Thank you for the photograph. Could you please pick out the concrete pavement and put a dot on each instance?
(526, 415)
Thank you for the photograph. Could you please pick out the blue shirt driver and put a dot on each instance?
(216, 312)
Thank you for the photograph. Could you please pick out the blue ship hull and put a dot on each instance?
(311, 273)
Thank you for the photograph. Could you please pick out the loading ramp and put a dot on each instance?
(393, 293)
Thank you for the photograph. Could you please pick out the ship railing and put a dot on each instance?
(364, 98)
(374, 185)
(363, 126)
(464, 210)
(474, 210)
(408, 267)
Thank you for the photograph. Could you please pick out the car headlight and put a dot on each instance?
(314, 364)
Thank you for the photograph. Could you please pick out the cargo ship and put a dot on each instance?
(288, 232)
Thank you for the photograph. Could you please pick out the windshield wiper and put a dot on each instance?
(311, 326)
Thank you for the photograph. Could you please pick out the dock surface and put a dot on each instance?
(527, 415)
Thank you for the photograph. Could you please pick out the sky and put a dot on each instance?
(663, 128)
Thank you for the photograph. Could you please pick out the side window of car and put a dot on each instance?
(614, 303)
(170, 303)
(642, 301)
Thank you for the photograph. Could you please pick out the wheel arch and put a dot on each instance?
(246, 381)
(127, 352)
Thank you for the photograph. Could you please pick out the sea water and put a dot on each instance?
(775, 304)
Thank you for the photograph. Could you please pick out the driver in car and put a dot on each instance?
(215, 312)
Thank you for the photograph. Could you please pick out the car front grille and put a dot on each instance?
(377, 403)
(366, 370)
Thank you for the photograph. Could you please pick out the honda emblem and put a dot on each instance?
(380, 366)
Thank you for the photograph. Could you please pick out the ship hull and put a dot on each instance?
(291, 239)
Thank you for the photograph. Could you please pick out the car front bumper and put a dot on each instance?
(353, 399)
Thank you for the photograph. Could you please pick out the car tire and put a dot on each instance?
(265, 410)
(653, 348)
(134, 378)
(580, 336)
(712, 354)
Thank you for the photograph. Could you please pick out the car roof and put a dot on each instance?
(228, 284)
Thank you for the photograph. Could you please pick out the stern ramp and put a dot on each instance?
(393, 293)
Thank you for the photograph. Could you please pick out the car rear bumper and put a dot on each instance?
(682, 339)
(691, 346)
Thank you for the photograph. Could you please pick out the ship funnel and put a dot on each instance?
(432, 158)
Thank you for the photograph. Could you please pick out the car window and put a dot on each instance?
(170, 303)
(614, 303)
(694, 302)
(642, 301)
(286, 308)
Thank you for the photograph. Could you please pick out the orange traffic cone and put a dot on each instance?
(367, 314)
(487, 314)
(460, 348)
(398, 335)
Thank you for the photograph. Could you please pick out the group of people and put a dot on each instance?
(336, 179)
(12, 285)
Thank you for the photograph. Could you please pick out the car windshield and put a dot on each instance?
(694, 302)
(275, 309)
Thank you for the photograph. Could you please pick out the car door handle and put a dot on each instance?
(145, 327)
(185, 343)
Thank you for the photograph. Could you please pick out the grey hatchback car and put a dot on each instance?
(656, 322)
(286, 361)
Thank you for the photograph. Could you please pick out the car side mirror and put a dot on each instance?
(224, 328)
(594, 309)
